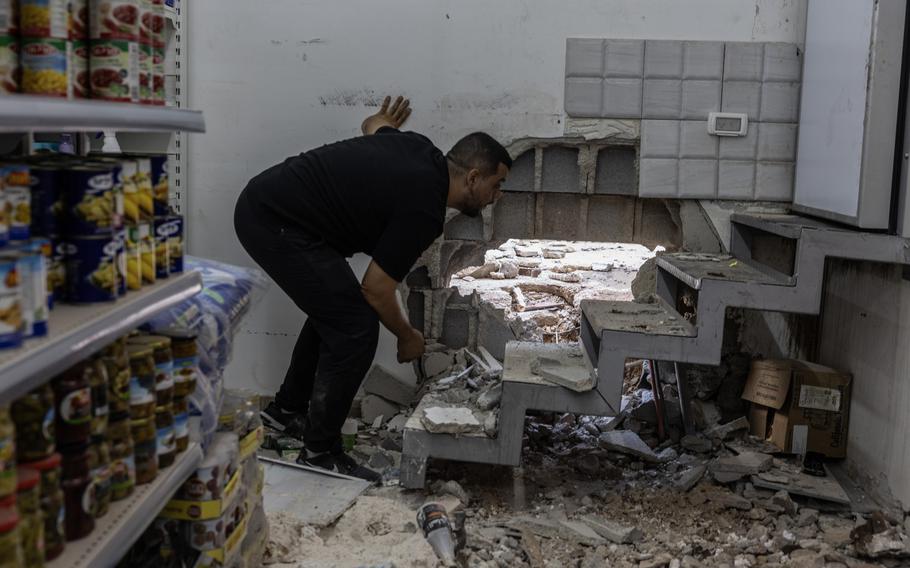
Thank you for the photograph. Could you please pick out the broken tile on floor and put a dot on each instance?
(824, 488)
(627, 442)
(450, 420)
(576, 378)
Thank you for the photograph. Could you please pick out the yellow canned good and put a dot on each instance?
(45, 67)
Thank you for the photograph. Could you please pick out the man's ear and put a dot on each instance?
(473, 176)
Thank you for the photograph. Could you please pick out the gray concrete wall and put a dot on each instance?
(865, 330)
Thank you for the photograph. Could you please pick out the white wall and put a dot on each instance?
(277, 77)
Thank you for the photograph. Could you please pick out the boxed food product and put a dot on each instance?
(800, 406)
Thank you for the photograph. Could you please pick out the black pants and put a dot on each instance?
(338, 341)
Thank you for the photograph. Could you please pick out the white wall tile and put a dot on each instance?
(743, 61)
(657, 178)
(659, 138)
(622, 98)
(774, 181)
(584, 57)
(624, 58)
(694, 140)
(584, 96)
(742, 96)
(703, 60)
(782, 62)
(740, 147)
(700, 98)
(777, 142)
(779, 102)
(662, 98)
(663, 59)
(698, 178)
(735, 179)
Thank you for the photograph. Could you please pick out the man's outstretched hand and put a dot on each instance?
(390, 114)
(411, 346)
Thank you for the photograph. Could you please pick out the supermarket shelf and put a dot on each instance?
(77, 331)
(126, 520)
(26, 113)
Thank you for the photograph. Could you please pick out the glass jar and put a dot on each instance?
(186, 365)
(164, 365)
(10, 550)
(117, 362)
(142, 381)
(54, 515)
(145, 450)
(100, 464)
(181, 423)
(7, 453)
(123, 465)
(73, 400)
(78, 494)
(98, 382)
(31, 524)
(33, 415)
(49, 468)
(166, 444)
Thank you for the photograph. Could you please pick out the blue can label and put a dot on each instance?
(91, 271)
(16, 183)
(160, 186)
(47, 201)
(90, 201)
(175, 243)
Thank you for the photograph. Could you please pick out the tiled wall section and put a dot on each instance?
(672, 86)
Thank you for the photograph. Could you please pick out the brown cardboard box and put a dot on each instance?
(799, 406)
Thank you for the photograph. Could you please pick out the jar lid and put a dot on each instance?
(153, 341)
(138, 351)
(9, 518)
(50, 462)
(26, 478)
(140, 422)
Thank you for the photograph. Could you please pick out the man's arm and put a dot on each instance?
(379, 290)
(393, 117)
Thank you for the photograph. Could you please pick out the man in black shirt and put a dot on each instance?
(384, 194)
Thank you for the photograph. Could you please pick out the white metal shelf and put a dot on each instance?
(126, 520)
(77, 331)
(27, 113)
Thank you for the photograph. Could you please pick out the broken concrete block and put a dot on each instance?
(570, 530)
(746, 463)
(450, 420)
(602, 266)
(373, 407)
(660, 561)
(729, 500)
(615, 532)
(725, 477)
(397, 423)
(724, 431)
(578, 379)
(782, 499)
(490, 398)
(526, 252)
(667, 455)
(453, 488)
(695, 443)
(435, 364)
(381, 382)
(690, 478)
(570, 277)
(627, 442)
(554, 254)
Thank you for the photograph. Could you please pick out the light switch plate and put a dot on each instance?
(728, 123)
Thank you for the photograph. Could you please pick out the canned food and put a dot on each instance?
(47, 201)
(164, 226)
(133, 261)
(9, 18)
(56, 270)
(89, 200)
(79, 20)
(144, 187)
(175, 243)
(151, 24)
(158, 94)
(130, 191)
(4, 216)
(46, 249)
(10, 303)
(145, 74)
(147, 253)
(160, 188)
(117, 174)
(32, 269)
(45, 67)
(9, 64)
(158, 36)
(114, 66)
(44, 18)
(80, 75)
(16, 183)
(114, 19)
(90, 269)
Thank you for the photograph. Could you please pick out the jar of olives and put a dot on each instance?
(164, 365)
(123, 465)
(98, 382)
(142, 381)
(10, 550)
(78, 494)
(117, 362)
(181, 423)
(100, 464)
(166, 443)
(145, 449)
(31, 525)
(7, 453)
(33, 415)
(73, 400)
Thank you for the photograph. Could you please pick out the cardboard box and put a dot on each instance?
(799, 406)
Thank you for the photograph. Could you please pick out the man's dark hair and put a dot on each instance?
(479, 151)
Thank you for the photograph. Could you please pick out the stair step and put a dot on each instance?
(521, 355)
(693, 268)
(634, 317)
(787, 226)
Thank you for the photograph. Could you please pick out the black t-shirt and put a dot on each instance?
(384, 195)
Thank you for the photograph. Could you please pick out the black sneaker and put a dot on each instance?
(339, 462)
(289, 423)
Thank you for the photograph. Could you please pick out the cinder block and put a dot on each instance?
(700, 98)
(465, 228)
(611, 219)
(777, 142)
(584, 96)
(783, 62)
(493, 333)
(697, 179)
(703, 60)
(657, 177)
(743, 61)
(735, 179)
(417, 310)
(742, 96)
(774, 181)
(659, 138)
(584, 57)
(663, 59)
(740, 147)
(662, 98)
(513, 216)
(381, 382)
(616, 173)
(562, 216)
(456, 328)
(372, 407)
(780, 102)
(560, 172)
(694, 140)
(521, 175)
(624, 58)
(621, 98)
(418, 278)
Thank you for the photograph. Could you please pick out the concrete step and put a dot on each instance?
(694, 268)
(633, 317)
